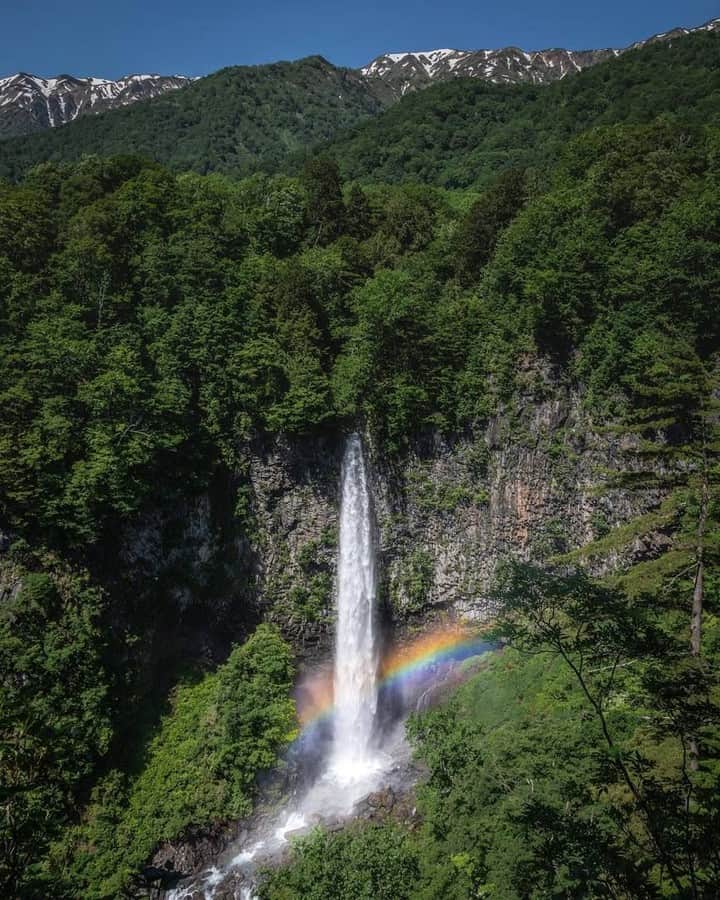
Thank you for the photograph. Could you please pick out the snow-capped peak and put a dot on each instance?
(31, 102)
(403, 72)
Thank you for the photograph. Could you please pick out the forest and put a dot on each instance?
(456, 134)
(156, 323)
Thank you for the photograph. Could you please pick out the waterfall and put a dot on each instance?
(356, 662)
(355, 766)
(360, 759)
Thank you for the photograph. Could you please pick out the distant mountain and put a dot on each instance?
(29, 103)
(248, 118)
(460, 133)
(399, 73)
(403, 72)
(238, 120)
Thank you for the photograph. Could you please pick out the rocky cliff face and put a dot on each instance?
(528, 485)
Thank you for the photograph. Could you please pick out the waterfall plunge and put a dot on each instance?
(356, 659)
(355, 766)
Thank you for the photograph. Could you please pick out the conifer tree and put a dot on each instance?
(325, 207)
(358, 214)
(675, 417)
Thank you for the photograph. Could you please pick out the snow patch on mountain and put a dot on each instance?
(407, 71)
(30, 103)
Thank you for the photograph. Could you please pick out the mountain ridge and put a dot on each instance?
(462, 132)
(30, 103)
(406, 71)
(456, 133)
(235, 120)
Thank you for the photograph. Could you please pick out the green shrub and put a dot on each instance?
(415, 580)
(200, 767)
(372, 863)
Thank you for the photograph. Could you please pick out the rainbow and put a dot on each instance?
(404, 665)
(437, 648)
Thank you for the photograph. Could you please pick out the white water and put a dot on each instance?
(361, 759)
(356, 659)
(354, 767)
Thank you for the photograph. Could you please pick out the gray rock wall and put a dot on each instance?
(528, 485)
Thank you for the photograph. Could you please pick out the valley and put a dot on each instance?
(360, 485)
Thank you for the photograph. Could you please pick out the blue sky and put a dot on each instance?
(195, 37)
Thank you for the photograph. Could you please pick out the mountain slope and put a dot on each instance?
(180, 359)
(236, 120)
(29, 103)
(464, 131)
(405, 72)
(400, 73)
(454, 133)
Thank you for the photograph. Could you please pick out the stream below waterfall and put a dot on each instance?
(365, 750)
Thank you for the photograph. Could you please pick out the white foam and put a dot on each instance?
(248, 855)
(294, 822)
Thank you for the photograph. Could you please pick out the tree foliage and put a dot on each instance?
(561, 769)
(54, 719)
(199, 767)
(157, 328)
